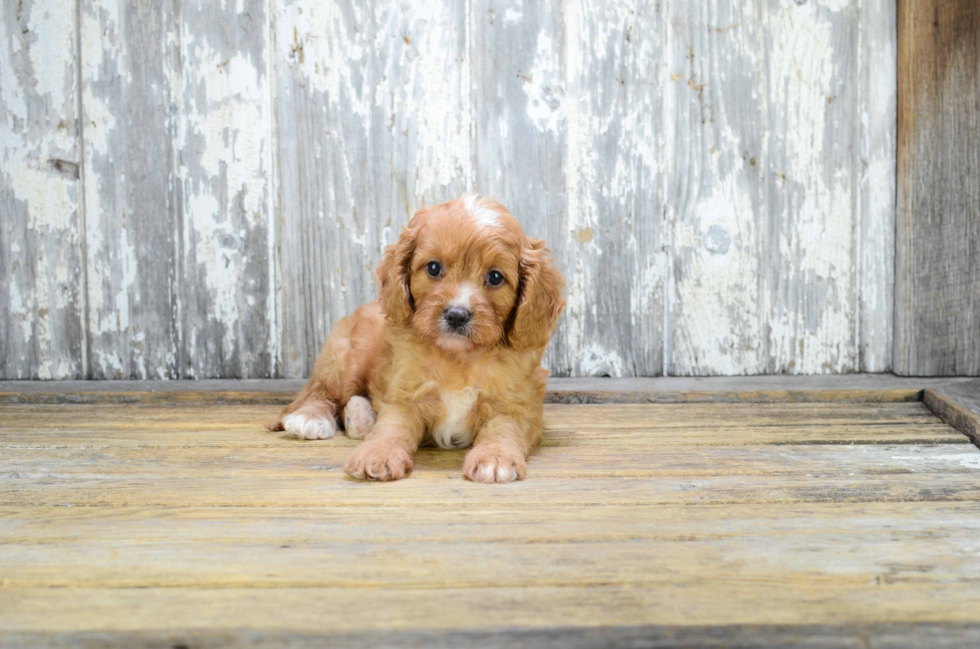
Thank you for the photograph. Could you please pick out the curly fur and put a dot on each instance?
(426, 382)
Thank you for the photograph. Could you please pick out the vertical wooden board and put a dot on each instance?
(41, 299)
(877, 103)
(715, 127)
(812, 172)
(225, 138)
(132, 199)
(519, 125)
(611, 237)
(937, 309)
(374, 122)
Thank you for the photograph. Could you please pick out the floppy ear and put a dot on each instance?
(539, 299)
(393, 275)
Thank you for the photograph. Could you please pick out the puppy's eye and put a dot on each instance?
(433, 268)
(495, 278)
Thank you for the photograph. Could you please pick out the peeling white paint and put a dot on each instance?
(765, 266)
(818, 250)
(233, 127)
(37, 148)
(835, 5)
(313, 36)
(579, 168)
(52, 53)
(543, 86)
(718, 294)
(441, 98)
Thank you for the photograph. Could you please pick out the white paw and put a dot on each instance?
(488, 464)
(487, 472)
(359, 417)
(309, 427)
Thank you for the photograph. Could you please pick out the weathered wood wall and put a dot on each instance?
(198, 189)
(937, 319)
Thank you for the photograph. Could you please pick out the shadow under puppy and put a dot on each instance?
(450, 354)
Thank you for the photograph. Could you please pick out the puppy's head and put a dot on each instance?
(464, 276)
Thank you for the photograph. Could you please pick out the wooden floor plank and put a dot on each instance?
(363, 565)
(325, 461)
(917, 433)
(430, 489)
(330, 611)
(149, 418)
(887, 544)
(379, 523)
(894, 635)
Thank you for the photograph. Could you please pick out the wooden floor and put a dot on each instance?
(179, 524)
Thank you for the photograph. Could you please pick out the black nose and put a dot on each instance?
(457, 317)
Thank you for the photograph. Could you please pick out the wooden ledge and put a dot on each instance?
(957, 404)
(740, 389)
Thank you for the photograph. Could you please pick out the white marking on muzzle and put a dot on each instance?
(463, 297)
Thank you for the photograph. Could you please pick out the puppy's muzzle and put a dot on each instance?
(457, 318)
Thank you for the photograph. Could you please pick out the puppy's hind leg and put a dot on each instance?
(313, 413)
(312, 421)
(359, 417)
(340, 373)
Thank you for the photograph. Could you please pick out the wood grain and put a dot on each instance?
(611, 241)
(373, 123)
(519, 125)
(958, 405)
(816, 636)
(878, 112)
(855, 388)
(225, 138)
(812, 167)
(193, 558)
(694, 605)
(716, 132)
(937, 309)
(710, 416)
(130, 60)
(42, 301)
(140, 523)
(240, 168)
(781, 246)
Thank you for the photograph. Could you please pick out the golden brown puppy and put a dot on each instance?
(450, 354)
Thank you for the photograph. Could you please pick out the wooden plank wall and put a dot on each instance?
(937, 320)
(42, 301)
(198, 189)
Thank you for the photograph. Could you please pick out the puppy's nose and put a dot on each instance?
(457, 317)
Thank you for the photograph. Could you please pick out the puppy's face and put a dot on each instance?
(461, 277)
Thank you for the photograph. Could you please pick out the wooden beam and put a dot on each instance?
(666, 389)
(937, 277)
(958, 405)
(570, 637)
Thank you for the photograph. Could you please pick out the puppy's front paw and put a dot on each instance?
(379, 460)
(485, 463)
(359, 417)
(309, 426)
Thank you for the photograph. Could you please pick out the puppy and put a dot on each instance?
(449, 355)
